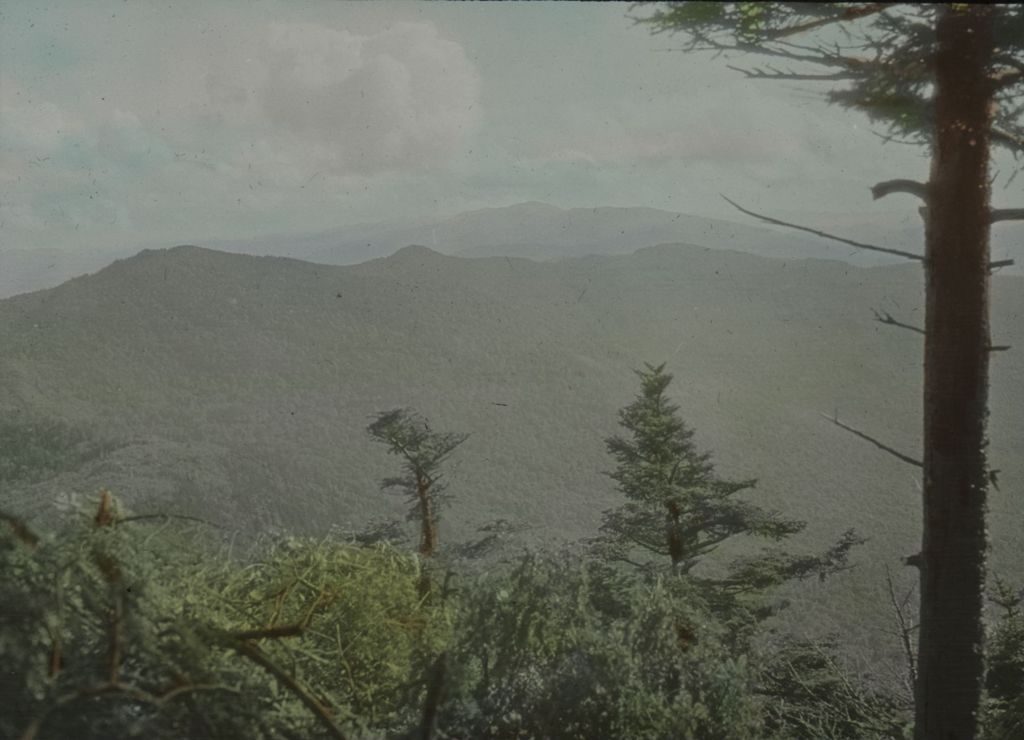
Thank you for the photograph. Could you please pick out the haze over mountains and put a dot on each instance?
(534, 230)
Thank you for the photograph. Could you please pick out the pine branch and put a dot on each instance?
(816, 56)
(850, 14)
(880, 445)
(825, 235)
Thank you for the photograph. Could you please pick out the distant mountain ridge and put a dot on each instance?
(534, 230)
(541, 231)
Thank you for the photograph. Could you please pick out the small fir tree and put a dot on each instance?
(680, 509)
(408, 435)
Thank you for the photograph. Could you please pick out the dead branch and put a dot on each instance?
(795, 52)
(775, 74)
(996, 264)
(887, 138)
(1007, 138)
(913, 187)
(825, 235)
(998, 347)
(880, 445)
(886, 318)
(323, 713)
(906, 628)
(1005, 214)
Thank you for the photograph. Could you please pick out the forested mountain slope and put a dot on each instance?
(238, 388)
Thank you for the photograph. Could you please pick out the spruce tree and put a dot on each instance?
(949, 76)
(680, 510)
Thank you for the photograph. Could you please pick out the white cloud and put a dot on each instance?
(309, 95)
(219, 118)
(400, 99)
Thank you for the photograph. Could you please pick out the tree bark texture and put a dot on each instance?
(956, 382)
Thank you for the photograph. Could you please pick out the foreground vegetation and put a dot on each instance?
(116, 627)
(125, 625)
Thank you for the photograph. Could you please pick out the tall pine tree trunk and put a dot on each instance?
(956, 382)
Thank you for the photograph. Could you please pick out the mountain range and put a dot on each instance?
(534, 230)
(238, 388)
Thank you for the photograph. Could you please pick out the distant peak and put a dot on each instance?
(527, 207)
(417, 251)
(178, 249)
(535, 205)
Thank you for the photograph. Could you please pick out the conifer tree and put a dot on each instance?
(949, 76)
(408, 435)
(679, 509)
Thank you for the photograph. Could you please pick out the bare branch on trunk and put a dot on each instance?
(905, 625)
(913, 187)
(880, 445)
(1005, 214)
(884, 317)
(825, 235)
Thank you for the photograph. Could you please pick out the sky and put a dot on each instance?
(129, 123)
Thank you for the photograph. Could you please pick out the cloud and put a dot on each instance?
(345, 103)
(225, 115)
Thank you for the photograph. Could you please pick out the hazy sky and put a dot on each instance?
(145, 123)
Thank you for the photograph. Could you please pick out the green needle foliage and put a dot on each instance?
(679, 511)
(111, 628)
(408, 435)
(1003, 707)
(553, 649)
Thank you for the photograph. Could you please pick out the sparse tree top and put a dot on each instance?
(878, 58)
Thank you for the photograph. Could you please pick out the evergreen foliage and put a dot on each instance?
(114, 629)
(408, 435)
(950, 75)
(557, 650)
(118, 626)
(809, 693)
(679, 509)
(1003, 709)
